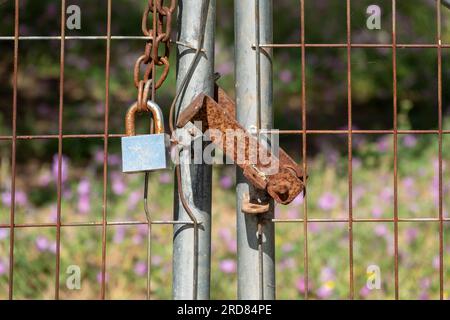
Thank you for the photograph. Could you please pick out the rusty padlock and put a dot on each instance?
(150, 152)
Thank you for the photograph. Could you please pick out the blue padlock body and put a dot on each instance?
(146, 153)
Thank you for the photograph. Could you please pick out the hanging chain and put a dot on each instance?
(158, 30)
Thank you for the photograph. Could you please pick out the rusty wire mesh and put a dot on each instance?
(304, 133)
(60, 137)
(350, 132)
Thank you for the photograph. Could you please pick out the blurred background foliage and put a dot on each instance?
(326, 95)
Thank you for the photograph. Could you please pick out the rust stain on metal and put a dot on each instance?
(283, 185)
(254, 208)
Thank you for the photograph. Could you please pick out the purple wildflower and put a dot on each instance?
(140, 268)
(232, 245)
(314, 227)
(300, 284)
(164, 178)
(99, 156)
(408, 182)
(225, 234)
(364, 292)
(114, 159)
(19, 196)
(99, 277)
(436, 262)
(424, 296)
(226, 182)
(64, 168)
(381, 230)
(6, 198)
(377, 212)
(327, 274)
(84, 204)
(386, 194)
(287, 247)
(285, 76)
(45, 179)
(425, 283)
(84, 187)
(409, 141)
(225, 68)
(118, 185)
(358, 194)
(67, 193)
(327, 201)
(227, 266)
(390, 244)
(277, 212)
(435, 189)
(293, 214)
(137, 239)
(3, 234)
(331, 156)
(42, 243)
(142, 229)
(156, 260)
(288, 263)
(383, 144)
(298, 200)
(53, 215)
(52, 247)
(119, 235)
(358, 140)
(134, 199)
(411, 234)
(324, 292)
(24, 30)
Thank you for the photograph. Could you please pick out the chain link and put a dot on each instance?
(158, 31)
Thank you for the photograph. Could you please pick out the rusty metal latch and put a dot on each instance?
(253, 207)
(283, 186)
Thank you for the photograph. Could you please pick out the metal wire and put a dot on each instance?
(13, 152)
(260, 225)
(350, 220)
(149, 235)
(105, 149)
(395, 132)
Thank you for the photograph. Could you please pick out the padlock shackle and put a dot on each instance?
(154, 109)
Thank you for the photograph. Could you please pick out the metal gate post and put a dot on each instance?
(196, 178)
(253, 25)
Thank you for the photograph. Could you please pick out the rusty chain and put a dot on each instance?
(158, 30)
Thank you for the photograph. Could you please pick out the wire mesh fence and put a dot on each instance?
(103, 225)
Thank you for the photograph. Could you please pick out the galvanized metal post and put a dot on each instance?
(255, 236)
(195, 75)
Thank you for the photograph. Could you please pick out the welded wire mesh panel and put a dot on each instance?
(399, 212)
(77, 222)
(57, 229)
